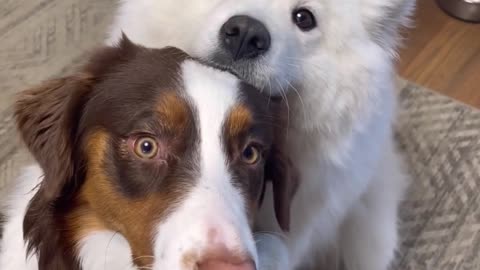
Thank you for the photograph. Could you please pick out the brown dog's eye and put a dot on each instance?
(146, 147)
(251, 155)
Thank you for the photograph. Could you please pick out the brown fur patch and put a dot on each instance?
(239, 120)
(174, 111)
(101, 206)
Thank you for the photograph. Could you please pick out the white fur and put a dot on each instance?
(105, 250)
(12, 247)
(342, 103)
(214, 203)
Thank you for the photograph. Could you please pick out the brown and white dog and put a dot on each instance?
(147, 159)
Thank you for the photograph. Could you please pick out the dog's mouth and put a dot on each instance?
(255, 71)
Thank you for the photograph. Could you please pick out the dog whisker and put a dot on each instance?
(145, 268)
(106, 250)
(143, 257)
(284, 97)
(300, 99)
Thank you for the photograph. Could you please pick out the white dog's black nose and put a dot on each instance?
(244, 37)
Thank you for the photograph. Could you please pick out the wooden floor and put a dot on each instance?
(443, 54)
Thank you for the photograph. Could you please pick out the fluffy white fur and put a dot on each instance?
(339, 83)
(12, 247)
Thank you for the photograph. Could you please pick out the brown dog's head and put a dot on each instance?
(158, 148)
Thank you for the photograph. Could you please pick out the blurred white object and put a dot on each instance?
(272, 251)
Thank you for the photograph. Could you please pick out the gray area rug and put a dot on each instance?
(440, 219)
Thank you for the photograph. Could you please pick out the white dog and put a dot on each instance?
(333, 61)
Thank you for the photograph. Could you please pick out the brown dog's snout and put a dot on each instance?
(221, 265)
(217, 256)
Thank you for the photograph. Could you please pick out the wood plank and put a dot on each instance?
(443, 54)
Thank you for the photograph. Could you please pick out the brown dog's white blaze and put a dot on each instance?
(152, 146)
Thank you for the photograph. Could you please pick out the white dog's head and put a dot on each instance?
(335, 55)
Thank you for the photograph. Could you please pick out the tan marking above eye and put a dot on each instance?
(239, 120)
(174, 111)
(251, 155)
(146, 147)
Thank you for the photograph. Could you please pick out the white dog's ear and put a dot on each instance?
(384, 18)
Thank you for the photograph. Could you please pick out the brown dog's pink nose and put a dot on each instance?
(222, 265)
(218, 256)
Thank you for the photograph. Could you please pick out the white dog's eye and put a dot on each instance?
(304, 19)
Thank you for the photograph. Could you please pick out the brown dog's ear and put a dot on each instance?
(280, 171)
(47, 115)
(46, 119)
